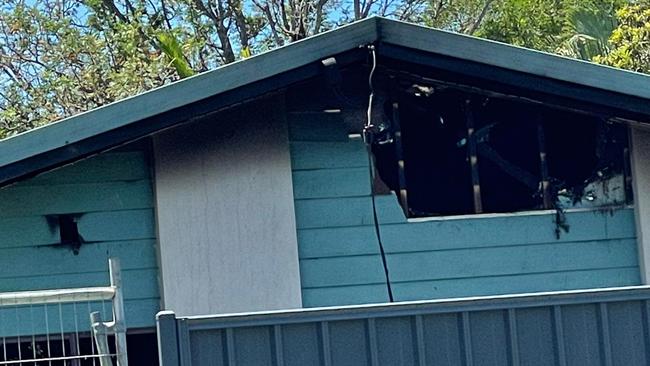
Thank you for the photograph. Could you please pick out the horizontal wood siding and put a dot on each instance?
(111, 197)
(339, 253)
(438, 258)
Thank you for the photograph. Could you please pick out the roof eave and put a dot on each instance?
(514, 58)
(123, 121)
(127, 120)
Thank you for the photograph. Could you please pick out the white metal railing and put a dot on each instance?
(47, 327)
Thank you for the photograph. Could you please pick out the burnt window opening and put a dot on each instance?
(452, 152)
(69, 232)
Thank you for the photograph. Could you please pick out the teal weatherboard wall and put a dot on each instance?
(110, 196)
(438, 258)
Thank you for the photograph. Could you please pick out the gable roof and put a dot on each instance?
(126, 120)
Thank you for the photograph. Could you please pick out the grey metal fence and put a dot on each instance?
(588, 327)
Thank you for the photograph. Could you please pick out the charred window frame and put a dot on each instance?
(446, 151)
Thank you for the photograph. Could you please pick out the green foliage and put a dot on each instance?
(613, 32)
(174, 52)
(534, 24)
(588, 25)
(577, 28)
(464, 16)
(52, 68)
(629, 43)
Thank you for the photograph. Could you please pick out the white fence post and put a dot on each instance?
(119, 326)
(100, 333)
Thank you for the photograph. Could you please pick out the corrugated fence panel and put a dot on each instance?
(110, 198)
(209, 348)
(594, 327)
(489, 337)
(348, 343)
(300, 344)
(438, 257)
(627, 331)
(246, 339)
(582, 334)
(396, 341)
(535, 334)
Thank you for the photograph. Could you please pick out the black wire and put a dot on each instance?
(376, 221)
(368, 130)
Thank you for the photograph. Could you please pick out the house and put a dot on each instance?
(483, 169)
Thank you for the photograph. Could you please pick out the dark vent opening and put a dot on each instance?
(69, 232)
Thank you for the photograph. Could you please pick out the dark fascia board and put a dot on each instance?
(123, 121)
(514, 58)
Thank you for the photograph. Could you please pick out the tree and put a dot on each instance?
(565, 26)
(57, 60)
(528, 23)
(466, 16)
(629, 43)
(588, 27)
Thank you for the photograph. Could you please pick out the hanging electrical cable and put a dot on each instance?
(369, 132)
(369, 127)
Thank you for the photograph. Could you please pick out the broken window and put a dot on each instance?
(451, 152)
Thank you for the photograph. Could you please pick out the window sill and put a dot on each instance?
(516, 214)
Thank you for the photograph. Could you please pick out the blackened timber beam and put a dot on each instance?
(627, 176)
(399, 154)
(543, 165)
(473, 157)
(486, 152)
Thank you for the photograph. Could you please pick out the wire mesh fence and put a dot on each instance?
(64, 327)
